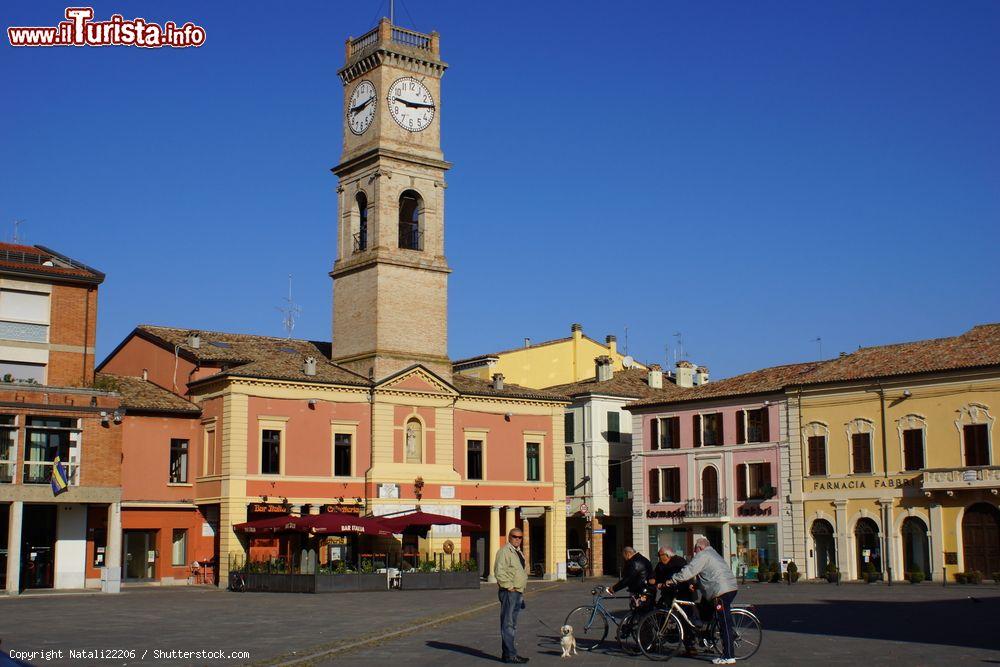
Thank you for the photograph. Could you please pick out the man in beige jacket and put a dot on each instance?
(512, 578)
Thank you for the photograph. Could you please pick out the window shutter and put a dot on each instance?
(765, 424)
(741, 429)
(720, 437)
(675, 432)
(675, 484)
(861, 454)
(654, 433)
(697, 430)
(654, 485)
(975, 445)
(765, 476)
(741, 481)
(817, 455)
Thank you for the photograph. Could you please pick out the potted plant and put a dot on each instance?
(832, 573)
(871, 575)
(996, 578)
(915, 577)
(961, 577)
(792, 575)
(775, 572)
(763, 573)
(975, 577)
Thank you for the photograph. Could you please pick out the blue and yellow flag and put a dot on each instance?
(60, 479)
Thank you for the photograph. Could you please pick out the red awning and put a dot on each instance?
(422, 521)
(273, 524)
(335, 523)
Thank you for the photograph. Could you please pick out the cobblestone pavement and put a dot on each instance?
(805, 623)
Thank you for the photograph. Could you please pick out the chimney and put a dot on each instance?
(194, 339)
(612, 342)
(576, 329)
(498, 381)
(527, 342)
(310, 366)
(655, 376)
(701, 375)
(603, 369)
(145, 374)
(684, 374)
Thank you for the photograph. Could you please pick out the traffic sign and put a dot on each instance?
(600, 531)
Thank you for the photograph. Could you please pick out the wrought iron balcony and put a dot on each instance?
(705, 507)
(361, 241)
(951, 479)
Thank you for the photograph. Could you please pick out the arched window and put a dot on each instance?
(361, 236)
(411, 208)
(414, 445)
(915, 548)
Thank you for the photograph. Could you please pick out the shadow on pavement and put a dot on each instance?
(968, 622)
(467, 650)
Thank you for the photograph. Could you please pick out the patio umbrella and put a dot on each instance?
(422, 521)
(335, 523)
(274, 524)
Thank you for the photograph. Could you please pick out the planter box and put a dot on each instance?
(339, 583)
(280, 583)
(833, 578)
(460, 580)
(420, 581)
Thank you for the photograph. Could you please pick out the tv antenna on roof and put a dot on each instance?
(290, 311)
(16, 237)
(679, 350)
(819, 341)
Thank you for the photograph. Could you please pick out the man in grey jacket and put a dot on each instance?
(718, 583)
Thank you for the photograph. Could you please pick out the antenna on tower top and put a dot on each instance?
(819, 341)
(16, 237)
(392, 12)
(290, 311)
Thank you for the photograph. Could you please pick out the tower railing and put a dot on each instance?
(411, 38)
(386, 33)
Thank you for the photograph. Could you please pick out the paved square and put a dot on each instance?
(805, 623)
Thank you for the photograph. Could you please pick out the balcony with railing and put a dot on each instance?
(40, 472)
(705, 508)
(954, 479)
(386, 34)
(360, 241)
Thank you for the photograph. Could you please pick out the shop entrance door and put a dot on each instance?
(38, 546)
(866, 538)
(822, 533)
(139, 559)
(981, 539)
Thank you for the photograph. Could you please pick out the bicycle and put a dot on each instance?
(237, 582)
(661, 632)
(590, 624)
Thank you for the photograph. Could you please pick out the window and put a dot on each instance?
(614, 476)
(671, 485)
(474, 459)
(534, 463)
(410, 234)
(179, 552)
(570, 478)
(614, 426)
(16, 370)
(861, 453)
(24, 306)
(568, 426)
(270, 452)
(913, 449)
(977, 441)
(670, 433)
(208, 457)
(817, 455)
(711, 429)
(753, 481)
(178, 461)
(752, 426)
(342, 454)
(47, 438)
(414, 441)
(8, 448)
(361, 237)
(654, 433)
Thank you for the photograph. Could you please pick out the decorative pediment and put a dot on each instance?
(419, 380)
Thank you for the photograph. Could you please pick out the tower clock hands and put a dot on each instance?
(362, 105)
(415, 105)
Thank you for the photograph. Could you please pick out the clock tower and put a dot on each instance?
(390, 278)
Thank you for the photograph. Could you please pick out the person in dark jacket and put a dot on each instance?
(636, 572)
(670, 563)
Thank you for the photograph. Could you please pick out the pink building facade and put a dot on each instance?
(714, 468)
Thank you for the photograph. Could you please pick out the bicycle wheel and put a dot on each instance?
(747, 634)
(660, 635)
(589, 627)
(627, 635)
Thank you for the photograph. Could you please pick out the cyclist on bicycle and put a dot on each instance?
(670, 563)
(636, 572)
(718, 583)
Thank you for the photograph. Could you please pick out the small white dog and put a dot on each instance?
(568, 641)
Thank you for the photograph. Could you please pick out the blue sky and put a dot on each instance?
(751, 175)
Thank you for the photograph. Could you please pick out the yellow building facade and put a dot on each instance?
(549, 363)
(899, 470)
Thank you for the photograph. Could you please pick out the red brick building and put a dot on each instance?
(49, 408)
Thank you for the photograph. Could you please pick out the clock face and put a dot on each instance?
(411, 104)
(361, 107)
